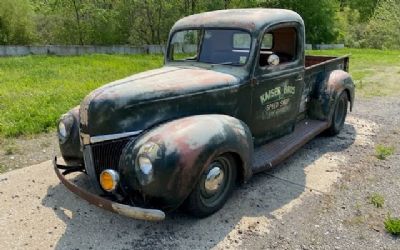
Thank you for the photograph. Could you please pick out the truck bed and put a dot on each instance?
(312, 62)
(317, 69)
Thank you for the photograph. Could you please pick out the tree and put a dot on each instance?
(140, 22)
(319, 17)
(383, 29)
(365, 8)
(148, 21)
(16, 22)
(79, 21)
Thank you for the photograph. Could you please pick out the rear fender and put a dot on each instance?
(180, 150)
(326, 93)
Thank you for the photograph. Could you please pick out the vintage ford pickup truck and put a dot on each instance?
(237, 96)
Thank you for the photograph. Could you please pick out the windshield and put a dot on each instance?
(213, 46)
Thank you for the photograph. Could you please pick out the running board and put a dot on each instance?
(274, 152)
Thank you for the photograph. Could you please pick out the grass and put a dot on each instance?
(392, 225)
(374, 71)
(36, 90)
(382, 151)
(3, 169)
(377, 200)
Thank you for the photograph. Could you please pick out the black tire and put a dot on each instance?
(200, 202)
(339, 115)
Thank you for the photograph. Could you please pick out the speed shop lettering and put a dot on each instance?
(280, 105)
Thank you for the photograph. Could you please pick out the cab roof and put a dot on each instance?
(248, 19)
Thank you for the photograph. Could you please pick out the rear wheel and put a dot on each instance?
(214, 187)
(339, 115)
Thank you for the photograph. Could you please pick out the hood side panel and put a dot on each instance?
(149, 98)
(110, 120)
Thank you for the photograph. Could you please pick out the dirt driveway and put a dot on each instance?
(317, 199)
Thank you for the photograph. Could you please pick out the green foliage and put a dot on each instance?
(78, 22)
(366, 8)
(377, 200)
(149, 22)
(392, 225)
(382, 151)
(357, 23)
(16, 22)
(3, 168)
(383, 30)
(349, 27)
(318, 15)
(36, 90)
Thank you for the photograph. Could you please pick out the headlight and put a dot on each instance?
(62, 130)
(64, 127)
(145, 165)
(148, 154)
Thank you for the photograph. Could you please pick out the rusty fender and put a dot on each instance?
(180, 150)
(335, 83)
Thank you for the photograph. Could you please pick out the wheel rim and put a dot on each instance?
(214, 182)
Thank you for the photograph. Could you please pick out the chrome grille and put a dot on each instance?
(106, 155)
(88, 158)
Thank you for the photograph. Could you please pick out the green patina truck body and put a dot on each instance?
(236, 96)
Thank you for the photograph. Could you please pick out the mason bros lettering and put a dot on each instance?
(277, 92)
(270, 94)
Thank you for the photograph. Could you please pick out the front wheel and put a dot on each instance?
(339, 115)
(214, 187)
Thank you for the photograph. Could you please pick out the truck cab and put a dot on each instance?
(236, 96)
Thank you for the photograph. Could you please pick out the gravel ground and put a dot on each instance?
(26, 151)
(317, 199)
(345, 218)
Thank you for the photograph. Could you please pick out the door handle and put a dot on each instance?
(299, 78)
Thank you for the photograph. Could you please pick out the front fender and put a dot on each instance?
(184, 148)
(325, 94)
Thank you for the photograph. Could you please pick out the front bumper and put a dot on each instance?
(122, 209)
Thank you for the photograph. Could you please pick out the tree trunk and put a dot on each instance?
(78, 22)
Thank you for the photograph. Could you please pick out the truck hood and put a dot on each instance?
(114, 108)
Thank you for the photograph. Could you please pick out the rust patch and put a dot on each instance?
(336, 80)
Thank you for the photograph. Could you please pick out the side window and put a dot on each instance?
(267, 42)
(185, 45)
(241, 41)
(278, 46)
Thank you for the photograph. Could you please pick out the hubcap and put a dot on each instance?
(214, 179)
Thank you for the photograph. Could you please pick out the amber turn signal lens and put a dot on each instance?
(109, 180)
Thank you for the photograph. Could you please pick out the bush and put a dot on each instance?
(377, 200)
(16, 22)
(392, 225)
(382, 152)
(350, 29)
(383, 30)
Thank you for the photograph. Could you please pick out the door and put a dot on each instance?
(278, 85)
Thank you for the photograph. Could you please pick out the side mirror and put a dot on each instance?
(273, 60)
